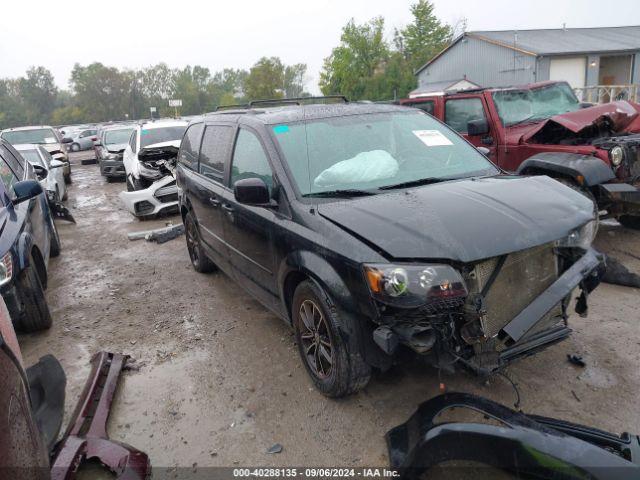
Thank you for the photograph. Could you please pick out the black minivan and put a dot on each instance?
(376, 229)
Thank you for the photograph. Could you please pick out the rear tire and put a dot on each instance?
(201, 263)
(333, 361)
(36, 315)
(75, 147)
(629, 221)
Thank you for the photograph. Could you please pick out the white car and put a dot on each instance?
(49, 171)
(43, 135)
(145, 138)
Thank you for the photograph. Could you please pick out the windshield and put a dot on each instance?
(114, 137)
(374, 151)
(160, 135)
(519, 106)
(39, 135)
(33, 157)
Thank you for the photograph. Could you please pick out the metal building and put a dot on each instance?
(595, 61)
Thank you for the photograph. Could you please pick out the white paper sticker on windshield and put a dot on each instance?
(432, 138)
(49, 140)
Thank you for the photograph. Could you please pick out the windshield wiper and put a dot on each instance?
(416, 183)
(348, 192)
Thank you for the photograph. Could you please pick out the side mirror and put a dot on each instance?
(477, 127)
(40, 171)
(67, 140)
(26, 190)
(56, 164)
(252, 191)
(484, 150)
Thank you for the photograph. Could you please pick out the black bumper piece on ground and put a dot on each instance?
(527, 445)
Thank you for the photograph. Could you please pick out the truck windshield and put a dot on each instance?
(375, 151)
(520, 106)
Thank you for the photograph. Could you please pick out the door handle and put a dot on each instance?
(214, 202)
(227, 208)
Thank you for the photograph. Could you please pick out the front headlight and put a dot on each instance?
(112, 156)
(581, 237)
(6, 268)
(616, 155)
(413, 285)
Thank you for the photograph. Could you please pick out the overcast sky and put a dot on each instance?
(236, 33)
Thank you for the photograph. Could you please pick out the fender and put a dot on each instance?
(320, 271)
(25, 242)
(572, 165)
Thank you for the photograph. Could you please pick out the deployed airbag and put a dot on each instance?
(364, 167)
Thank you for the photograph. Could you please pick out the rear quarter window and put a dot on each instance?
(214, 151)
(190, 146)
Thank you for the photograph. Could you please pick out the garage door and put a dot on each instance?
(572, 70)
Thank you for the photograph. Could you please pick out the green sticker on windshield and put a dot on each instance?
(278, 129)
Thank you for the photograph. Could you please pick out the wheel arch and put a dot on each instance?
(305, 265)
(585, 170)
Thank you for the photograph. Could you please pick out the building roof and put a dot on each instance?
(557, 41)
(567, 40)
(444, 86)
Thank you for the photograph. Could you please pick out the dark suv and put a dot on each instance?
(28, 237)
(376, 229)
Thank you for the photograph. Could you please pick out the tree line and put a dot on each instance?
(365, 65)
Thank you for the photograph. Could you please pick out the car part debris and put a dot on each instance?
(618, 274)
(61, 212)
(86, 436)
(576, 360)
(527, 445)
(275, 448)
(159, 235)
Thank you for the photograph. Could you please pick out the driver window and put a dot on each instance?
(250, 160)
(7, 176)
(459, 112)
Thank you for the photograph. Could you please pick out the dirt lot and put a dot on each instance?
(222, 380)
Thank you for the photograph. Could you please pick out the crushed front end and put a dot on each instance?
(487, 313)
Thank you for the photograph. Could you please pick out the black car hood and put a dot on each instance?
(463, 220)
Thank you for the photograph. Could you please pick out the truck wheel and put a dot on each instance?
(36, 315)
(333, 361)
(201, 263)
(629, 221)
(54, 246)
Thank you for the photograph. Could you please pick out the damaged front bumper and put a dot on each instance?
(527, 445)
(446, 338)
(112, 168)
(161, 197)
(620, 198)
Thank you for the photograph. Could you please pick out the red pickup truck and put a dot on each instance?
(542, 129)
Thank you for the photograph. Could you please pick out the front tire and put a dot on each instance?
(629, 221)
(75, 147)
(201, 263)
(36, 315)
(333, 361)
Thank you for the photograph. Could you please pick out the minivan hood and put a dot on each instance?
(465, 220)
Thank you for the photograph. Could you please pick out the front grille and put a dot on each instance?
(523, 277)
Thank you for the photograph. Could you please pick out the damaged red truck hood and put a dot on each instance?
(621, 116)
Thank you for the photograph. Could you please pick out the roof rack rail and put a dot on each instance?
(238, 106)
(297, 100)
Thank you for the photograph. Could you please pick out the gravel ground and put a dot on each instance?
(222, 381)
